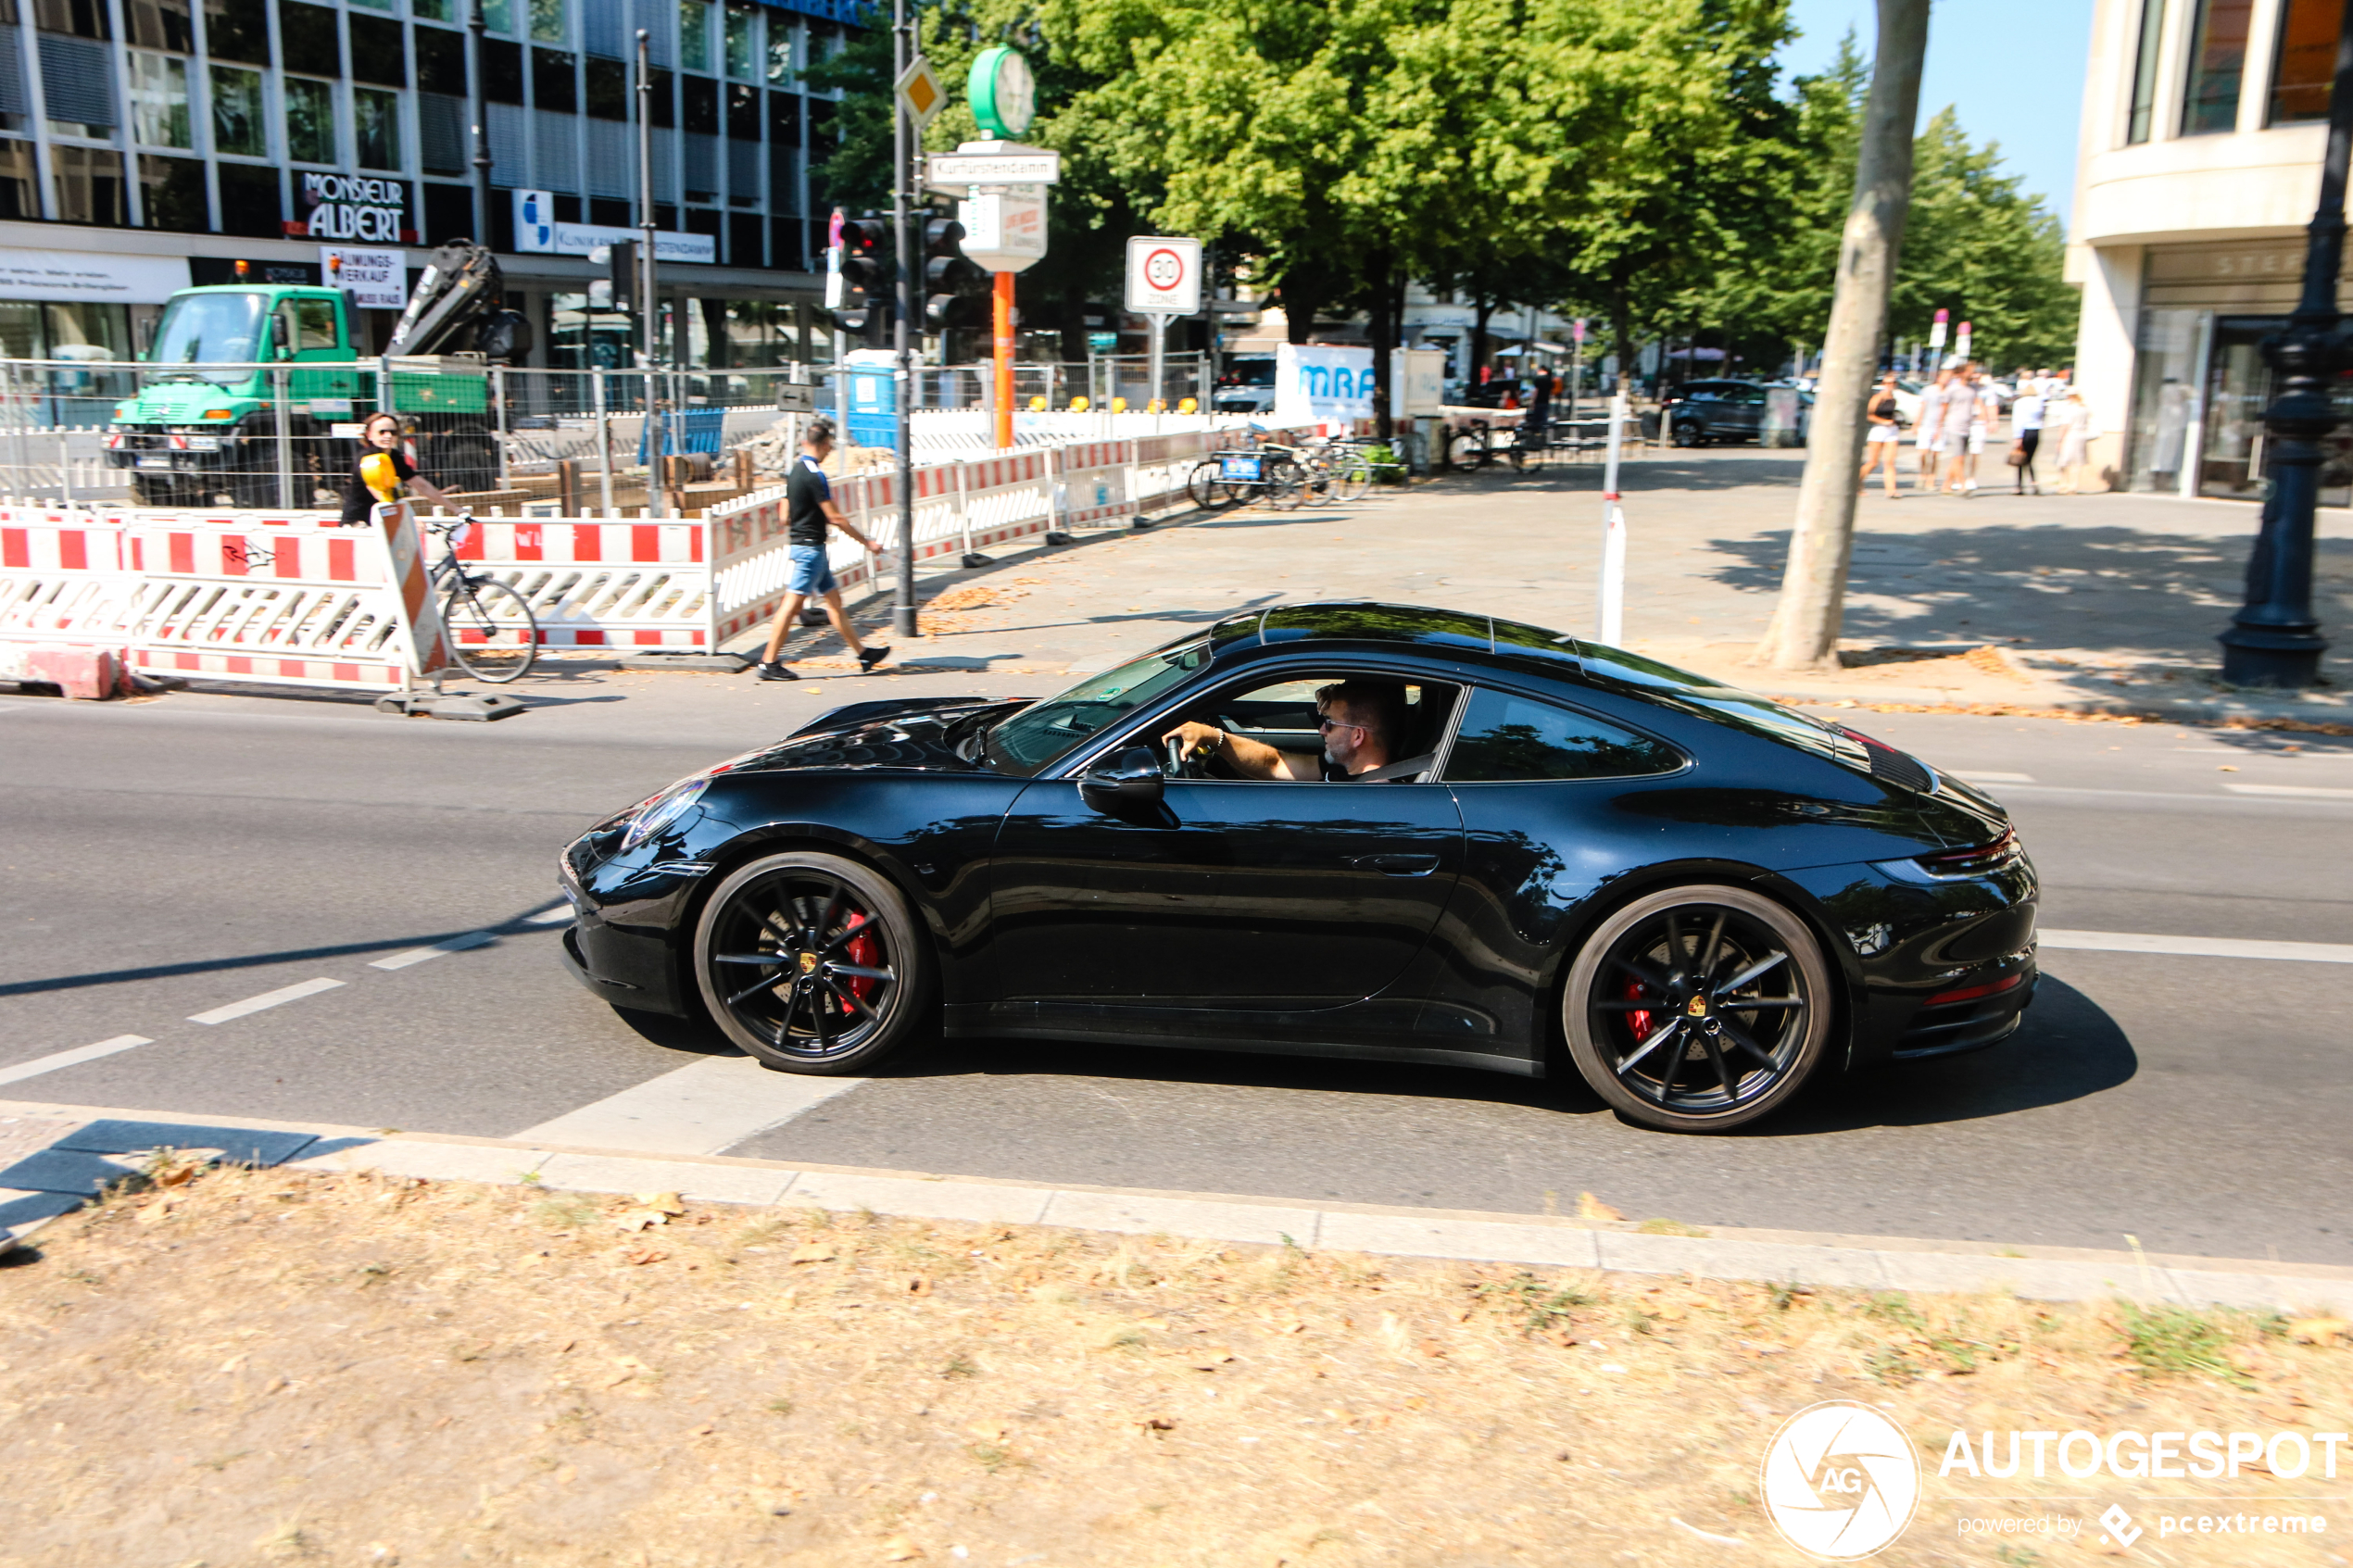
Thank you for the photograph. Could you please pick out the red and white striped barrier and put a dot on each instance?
(62, 582)
(1091, 483)
(602, 581)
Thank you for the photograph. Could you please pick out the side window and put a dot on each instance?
(1505, 738)
(1701, 394)
(1754, 396)
(314, 323)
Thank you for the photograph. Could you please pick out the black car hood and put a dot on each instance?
(898, 733)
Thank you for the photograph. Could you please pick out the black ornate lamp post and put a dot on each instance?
(2273, 640)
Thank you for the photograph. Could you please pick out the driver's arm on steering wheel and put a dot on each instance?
(1249, 759)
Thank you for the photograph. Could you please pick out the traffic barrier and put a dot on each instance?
(1091, 483)
(600, 583)
(62, 578)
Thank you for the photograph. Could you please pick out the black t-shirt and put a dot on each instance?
(358, 501)
(806, 492)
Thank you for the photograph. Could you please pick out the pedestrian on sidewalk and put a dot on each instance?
(2076, 427)
(810, 510)
(2025, 435)
(1952, 427)
(1927, 436)
(1885, 442)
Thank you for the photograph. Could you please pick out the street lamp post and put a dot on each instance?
(2273, 640)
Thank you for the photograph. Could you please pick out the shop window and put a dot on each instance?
(89, 185)
(236, 113)
(607, 84)
(20, 330)
(2145, 73)
(159, 24)
(308, 34)
(83, 18)
(441, 61)
(375, 123)
(2218, 62)
(548, 21)
(159, 101)
(84, 330)
(501, 71)
(251, 206)
(2306, 62)
(237, 30)
(17, 179)
(742, 40)
(554, 81)
(694, 35)
(311, 120)
(172, 194)
(702, 95)
(611, 212)
(379, 52)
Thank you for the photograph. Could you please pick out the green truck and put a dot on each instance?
(279, 377)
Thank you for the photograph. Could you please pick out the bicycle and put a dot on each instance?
(493, 634)
(1230, 477)
(1340, 469)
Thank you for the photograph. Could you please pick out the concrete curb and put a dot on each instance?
(2044, 1273)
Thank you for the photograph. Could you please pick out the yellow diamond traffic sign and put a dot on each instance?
(920, 92)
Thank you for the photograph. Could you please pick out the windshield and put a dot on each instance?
(208, 328)
(1248, 372)
(1040, 732)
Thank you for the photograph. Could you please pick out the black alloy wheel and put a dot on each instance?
(811, 962)
(1699, 1009)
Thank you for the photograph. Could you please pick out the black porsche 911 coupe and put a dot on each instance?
(1700, 897)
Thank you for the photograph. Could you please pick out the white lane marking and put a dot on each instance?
(267, 999)
(2166, 794)
(1976, 777)
(2196, 946)
(419, 955)
(2314, 792)
(55, 1060)
(559, 915)
(705, 1108)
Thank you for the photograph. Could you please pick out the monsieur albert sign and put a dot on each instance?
(352, 206)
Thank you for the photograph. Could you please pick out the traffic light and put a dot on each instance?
(620, 287)
(869, 276)
(952, 282)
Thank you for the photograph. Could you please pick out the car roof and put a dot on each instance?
(1450, 634)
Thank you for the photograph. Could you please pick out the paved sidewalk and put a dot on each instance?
(2084, 602)
(62, 1150)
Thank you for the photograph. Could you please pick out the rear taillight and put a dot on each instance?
(1977, 861)
(1971, 993)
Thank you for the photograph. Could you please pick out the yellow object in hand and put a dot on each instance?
(382, 478)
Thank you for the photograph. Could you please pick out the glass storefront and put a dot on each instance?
(2200, 386)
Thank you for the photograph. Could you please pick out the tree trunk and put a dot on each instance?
(1074, 330)
(1483, 311)
(1622, 333)
(1385, 315)
(1804, 633)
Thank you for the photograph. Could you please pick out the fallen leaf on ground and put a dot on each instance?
(814, 1253)
(1592, 1207)
(2320, 1331)
(898, 1548)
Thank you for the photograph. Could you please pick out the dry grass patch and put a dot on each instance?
(255, 1367)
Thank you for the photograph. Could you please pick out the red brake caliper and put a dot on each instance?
(865, 952)
(1640, 1022)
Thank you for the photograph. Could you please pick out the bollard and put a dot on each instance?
(567, 487)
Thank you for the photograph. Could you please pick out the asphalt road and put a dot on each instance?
(170, 858)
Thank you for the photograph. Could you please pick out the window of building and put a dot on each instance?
(83, 18)
(2143, 114)
(375, 5)
(780, 67)
(237, 30)
(89, 185)
(443, 143)
(2217, 63)
(743, 113)
(743, 41)
(607, 84)
(236, 113)
(554, 81)
(251, 206)
(375, 123)
(78, 86)
(702, 95)
(172, 194)
(379, 51)
(431, 10)
(2306, 62)
(501, 71)
(694, 35)
(311, 120)
(499, 16)
(308, 36)
(159, 100)
(548, 21)
(784, 120)
(441, 61)
(159, 24)
(17, 176)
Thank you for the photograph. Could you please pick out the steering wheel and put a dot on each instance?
(1181, 765)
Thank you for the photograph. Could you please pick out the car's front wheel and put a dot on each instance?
(1685, 432)
(812, 963)
(1699, 1009)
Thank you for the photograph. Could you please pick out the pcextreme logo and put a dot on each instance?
(1839, 1480)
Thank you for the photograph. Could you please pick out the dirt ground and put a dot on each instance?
(261, 1367)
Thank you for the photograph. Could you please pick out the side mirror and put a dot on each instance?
(279, 339)
(1122, 784)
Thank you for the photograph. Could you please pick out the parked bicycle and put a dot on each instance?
(1227, 478)
(493, 634)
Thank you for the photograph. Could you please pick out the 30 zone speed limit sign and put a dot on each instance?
(1163, 276)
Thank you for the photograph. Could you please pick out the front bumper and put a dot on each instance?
(623, 944)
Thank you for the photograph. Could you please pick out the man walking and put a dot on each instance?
(810, 510)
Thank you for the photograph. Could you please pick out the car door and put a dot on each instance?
(1746, 406)
(1268, 896)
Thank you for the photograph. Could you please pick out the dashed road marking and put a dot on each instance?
(1974, 777)
(267, 999)
(73, 1058)
(706, 1108)
(2311, 791)
(2196, 946)
(419, 955)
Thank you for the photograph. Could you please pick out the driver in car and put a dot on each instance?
(1363, 723)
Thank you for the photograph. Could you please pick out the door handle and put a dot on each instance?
(1396, 865)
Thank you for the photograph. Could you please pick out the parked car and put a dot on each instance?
(1246, 385)
(1702, 413)
(1588, 863)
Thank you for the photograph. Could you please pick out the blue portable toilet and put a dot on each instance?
(873, 396)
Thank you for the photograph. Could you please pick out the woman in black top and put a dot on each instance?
(1886, 438)
(380, 438)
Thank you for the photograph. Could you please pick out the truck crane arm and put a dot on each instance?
(457, 308)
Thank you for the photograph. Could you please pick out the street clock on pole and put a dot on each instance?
(1002, 94)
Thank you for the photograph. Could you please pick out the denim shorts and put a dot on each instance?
(810, 574)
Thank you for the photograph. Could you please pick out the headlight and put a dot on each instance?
(662, 811)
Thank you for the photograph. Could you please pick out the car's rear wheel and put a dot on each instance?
(1699, 1009)
(812, 963)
